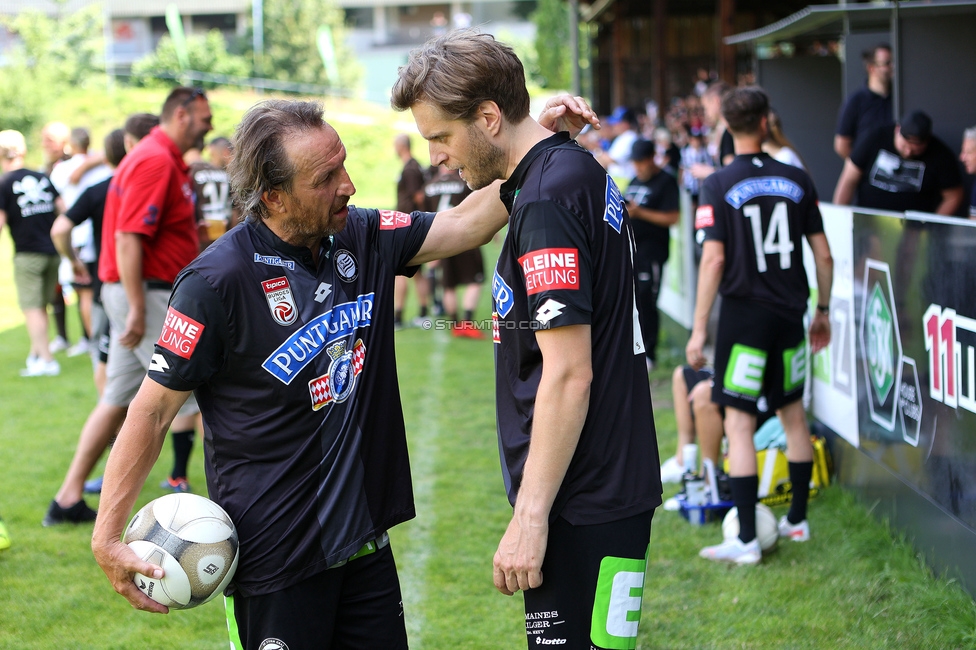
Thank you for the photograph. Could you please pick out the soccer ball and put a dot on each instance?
(195, 543)
(767, 528)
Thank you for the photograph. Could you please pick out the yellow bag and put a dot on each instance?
(775, 487)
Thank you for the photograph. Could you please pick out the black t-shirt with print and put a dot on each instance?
(28, 198)
(890, 182)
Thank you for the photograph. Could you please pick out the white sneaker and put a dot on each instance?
(39, 368)
(796, 532)
(672, 504)
(79, 348)
(57, 344)
(671, 471)
(422, 322)
(733, 550)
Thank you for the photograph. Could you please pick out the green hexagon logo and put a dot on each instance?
(880, 344)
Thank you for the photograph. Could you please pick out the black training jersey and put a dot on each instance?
(567, 259)
(890, 182)
(294, 371)
(28, 198)
(91, 205)
(760, 209)
(444, 190)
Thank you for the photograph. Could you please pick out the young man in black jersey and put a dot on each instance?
(579, 452)
(284, 328)
(652, 201)
(754, 214)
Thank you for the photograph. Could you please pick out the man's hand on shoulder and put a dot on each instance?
(567, 113)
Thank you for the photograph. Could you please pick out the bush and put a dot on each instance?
(206, 54)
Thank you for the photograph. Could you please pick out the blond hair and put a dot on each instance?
(12, 144)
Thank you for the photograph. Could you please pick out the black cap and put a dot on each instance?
(642, 150)
(916, 125)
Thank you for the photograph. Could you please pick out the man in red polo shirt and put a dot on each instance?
(149, 234)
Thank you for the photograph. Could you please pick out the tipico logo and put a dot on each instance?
(880, 344)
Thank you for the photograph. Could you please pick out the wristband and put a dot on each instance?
(823, 309)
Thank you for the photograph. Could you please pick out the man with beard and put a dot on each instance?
(148, 235)
(284, 329)
(579, 451)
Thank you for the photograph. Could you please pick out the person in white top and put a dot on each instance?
(778, 145)
(616, 159)
(81, 236)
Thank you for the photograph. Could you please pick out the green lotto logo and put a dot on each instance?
(880, 344)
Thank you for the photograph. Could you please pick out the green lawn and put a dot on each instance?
(852, 586)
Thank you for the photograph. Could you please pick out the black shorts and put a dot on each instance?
(349, 607)
(758, 352)
(464, 268)
(592, 585)
(694, 377)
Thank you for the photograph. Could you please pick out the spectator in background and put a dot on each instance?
(667, 155)
(652, 200)
(410, 197)
(211, 187)
(54, 148)
(868, 107)
(137, 127)
(694, 153)
(446, 189)
(719, 142)
(623, 128)
(29, 204)
(778, 145)
(54, 144)
(968, 158)
(902, 167)
(89, 207)
(82, 239)
(148, 235)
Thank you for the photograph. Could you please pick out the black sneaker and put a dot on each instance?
(79, 513)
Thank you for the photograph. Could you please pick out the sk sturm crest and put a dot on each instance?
(337, 384)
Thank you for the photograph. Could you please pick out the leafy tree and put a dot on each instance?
(291, 51)
(69, 45)
(206, 54)
(52, 53)
(552, 44)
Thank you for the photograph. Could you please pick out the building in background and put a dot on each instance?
(135, 27)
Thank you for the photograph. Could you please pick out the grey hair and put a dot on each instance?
(969, 134)
(261, 163)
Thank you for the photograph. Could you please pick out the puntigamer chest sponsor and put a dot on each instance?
(310, 340)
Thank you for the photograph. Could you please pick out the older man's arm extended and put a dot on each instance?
(133, 455)
(560, 410)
